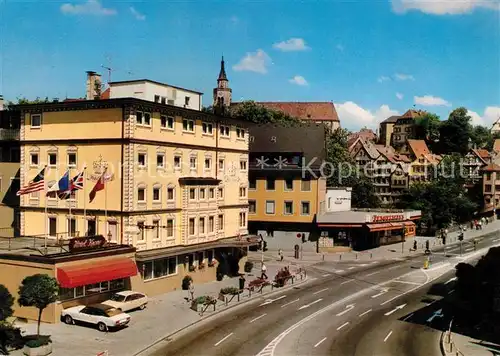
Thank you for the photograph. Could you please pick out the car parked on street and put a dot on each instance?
(127, 300)
(101, 315)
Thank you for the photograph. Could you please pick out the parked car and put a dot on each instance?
(127, 300)
(102, 315)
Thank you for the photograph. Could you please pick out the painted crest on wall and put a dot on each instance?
(99, 166)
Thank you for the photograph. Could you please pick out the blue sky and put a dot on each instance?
(371, 58)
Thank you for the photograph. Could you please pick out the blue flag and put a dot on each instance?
(62, 186)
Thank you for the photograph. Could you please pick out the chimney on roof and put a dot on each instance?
(1, 103)
(94, 86)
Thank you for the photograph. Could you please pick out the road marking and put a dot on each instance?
(408, 282)
(308, 305)
(223, 339)
(395, 309)
(257, 318)
(394, 267)
(437, 314)
(269, 301)
(374, 273)
(293, 301)
(350, 280)
(325, 275)
(374, 262)
(469, 249)
(390, 300)
(320, 342)
(388, 335)
(339, 271)
(366, 312)
(451, 280)
(341, 326)
(495, 240)
(408, 317)
(363, 265)
(347, 309)
(438, 266)
(322, 290)
(381, 293)
(451, 291)
(351, 267)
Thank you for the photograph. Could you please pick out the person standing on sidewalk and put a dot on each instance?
(263, 271)
(191, 290)
(280, 254)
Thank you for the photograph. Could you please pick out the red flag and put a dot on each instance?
(97, 187)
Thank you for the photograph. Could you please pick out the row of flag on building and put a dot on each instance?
(64, 187)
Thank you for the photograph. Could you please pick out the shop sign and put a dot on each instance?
(86, 243)
(387, 218)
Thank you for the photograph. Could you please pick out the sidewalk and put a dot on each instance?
(165, 315)
(460, 345)
(397, 250)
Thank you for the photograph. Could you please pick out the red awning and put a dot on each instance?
(80, 275)
(385, 226)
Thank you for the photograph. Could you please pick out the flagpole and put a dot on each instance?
(84, 198)
(69, 202)
(105, 204)
(45, 188)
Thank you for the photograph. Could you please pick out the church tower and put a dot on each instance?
(222, 94)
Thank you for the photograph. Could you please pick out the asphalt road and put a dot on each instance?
(377, 308)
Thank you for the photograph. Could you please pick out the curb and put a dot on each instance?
(306, 280)
(441, 344)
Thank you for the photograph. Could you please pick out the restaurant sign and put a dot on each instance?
(387, 218)
(86, 243)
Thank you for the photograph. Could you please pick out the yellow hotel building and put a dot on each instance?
(176, 183)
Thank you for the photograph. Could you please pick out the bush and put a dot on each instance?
(10, 338)
(205, 299)
(185, 282)
(282, 277)
(38, 341)
(230, 290)
(248, 266)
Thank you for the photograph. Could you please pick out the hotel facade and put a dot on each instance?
(176, 183)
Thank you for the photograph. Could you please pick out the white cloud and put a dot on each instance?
(137, 14)
(340, 48)
(354, 117)
(254, 62)
(429, 100)
(399, 96)
(443, 7)
(299, 80)
(91, 7)
(399, 76)
(383, 78)
(293, 44)
(490, 115)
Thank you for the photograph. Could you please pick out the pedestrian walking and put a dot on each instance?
(263, 271)
(280, 255)
(191, 290)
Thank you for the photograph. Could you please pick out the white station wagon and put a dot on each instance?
(104, 316)
(127, 300)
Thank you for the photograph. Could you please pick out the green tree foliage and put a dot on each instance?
(363, 194)
(455, 132)
(258, 114)
(6, 303)
(38, 291)
(481, 137)
(427, 128)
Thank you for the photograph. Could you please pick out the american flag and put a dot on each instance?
(75, 184)
(35, 185)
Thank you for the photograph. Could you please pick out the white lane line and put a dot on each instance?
(374, 262)
(269, 301)
(322, 290)
(325, 275)
(374, 273)
(341, 326)
(408, 317)
(320, 342)
(388, 335)
(366, 312)
(438, 267)
(363, 265)
(394, 267)
(257, 318)
(223, 339)
(399, 307)
(308, 305)
(451, 291)
(293, 301)
(351, 267)
(469, 249)
(339, 271)
(348, 308)
(408, 282)
(451, 280)
(495, 240)
(349, 281)
(381, 293)
(390, 300)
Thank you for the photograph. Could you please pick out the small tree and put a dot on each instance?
(38, 291)
(6, 303)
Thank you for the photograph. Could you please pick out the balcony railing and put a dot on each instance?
(9, 135)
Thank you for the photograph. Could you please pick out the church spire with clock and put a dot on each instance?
(222, 94)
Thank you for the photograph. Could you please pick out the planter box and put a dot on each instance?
(38, 351)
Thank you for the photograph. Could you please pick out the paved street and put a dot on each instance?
(375, 308)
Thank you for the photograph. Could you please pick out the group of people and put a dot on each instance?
(478, 224)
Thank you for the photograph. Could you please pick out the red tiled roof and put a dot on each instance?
(392, 155)
(314, 111)
(412, 114)
(419, 149)
(496, 145)
(492, 167)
